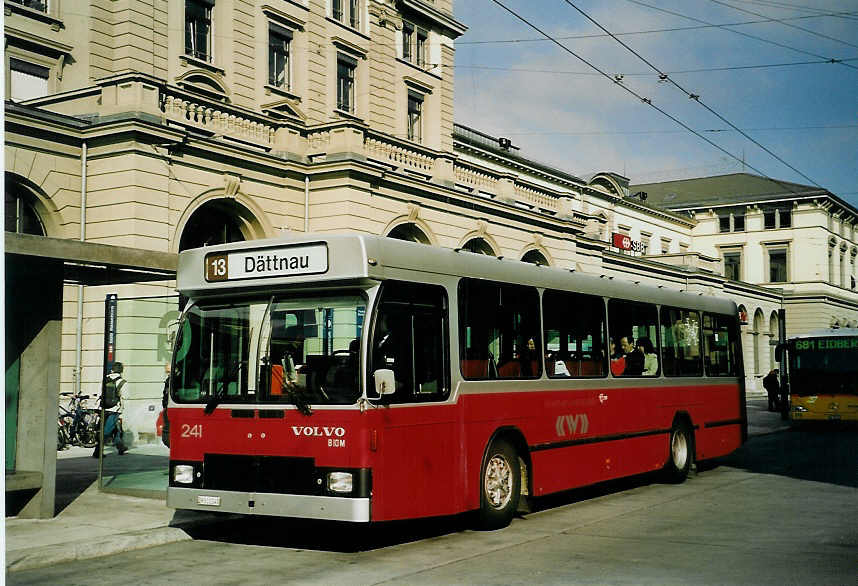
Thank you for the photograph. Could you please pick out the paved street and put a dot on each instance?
(781, 510)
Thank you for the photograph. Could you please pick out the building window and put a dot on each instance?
(198, 29)
(683, 247)
(354, 14)
(777, 265)
(738, 222)
(346, 12)
(733, 266)
(40, 5)
(346, 83)
(407, 41)
(831, 272)
(724, 223)
(645, 240)
(665, 245)
(777, 218)
(422, 44)
(279, 39)
(27, 80)
(415, 116)
(20, 216)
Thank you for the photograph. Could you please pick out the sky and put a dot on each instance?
(767, 78)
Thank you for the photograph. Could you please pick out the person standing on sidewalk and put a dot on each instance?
(112, 402)
(773, 388)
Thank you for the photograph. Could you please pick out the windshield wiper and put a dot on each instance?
(221, 390)
(298, 399)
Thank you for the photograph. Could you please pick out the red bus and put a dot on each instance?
(360, 378)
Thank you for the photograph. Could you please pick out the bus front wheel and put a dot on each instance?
(681, 452)
(500, 486)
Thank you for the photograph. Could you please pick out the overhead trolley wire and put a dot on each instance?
(744, 34)
(677, 72)
(653, 31)
(643, 99)
(789, 6)
(784, 23)
(696, 97)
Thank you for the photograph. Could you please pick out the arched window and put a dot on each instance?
(21, 216)
(535, 257)
(409, 232)
(480, 246)
(215, 222)
(759, 339)
(774, 327)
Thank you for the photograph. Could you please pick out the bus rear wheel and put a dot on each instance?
(681, 453)
(500, 486)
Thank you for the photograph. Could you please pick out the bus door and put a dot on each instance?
(419, 465)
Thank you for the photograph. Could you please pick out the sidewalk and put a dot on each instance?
(99, 523)
(94, 525)
(761, 421)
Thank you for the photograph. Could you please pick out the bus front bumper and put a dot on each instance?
(327, 508)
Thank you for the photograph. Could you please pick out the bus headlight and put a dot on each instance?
(183, 474)
(340, 482)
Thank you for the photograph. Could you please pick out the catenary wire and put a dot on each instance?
(744, 34)
(788, 6)
(707, 130)
(644, 74)
(784, 23)
(693, 96)
(649, 31)
(643, 99)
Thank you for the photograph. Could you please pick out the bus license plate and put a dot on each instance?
(212, 501)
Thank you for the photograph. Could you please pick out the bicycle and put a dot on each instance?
(77, 425)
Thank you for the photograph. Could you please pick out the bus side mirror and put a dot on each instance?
(385, 384)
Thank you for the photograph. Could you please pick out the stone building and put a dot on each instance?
(798, 241)
(139, 128)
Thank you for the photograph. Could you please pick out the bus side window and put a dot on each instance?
(720, 344)
(574, 334)
(410, 338)
(634, 332)
(499, 333)
(680, 339)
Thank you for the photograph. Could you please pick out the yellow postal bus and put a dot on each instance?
(823, 375)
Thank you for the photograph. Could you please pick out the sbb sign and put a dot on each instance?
(624, 242)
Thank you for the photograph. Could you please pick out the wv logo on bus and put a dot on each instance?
(572, 424)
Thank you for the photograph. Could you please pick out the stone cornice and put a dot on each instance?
(442, 20)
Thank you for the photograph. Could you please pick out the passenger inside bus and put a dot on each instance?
(650, 366)
(634, 357)
(618, 359)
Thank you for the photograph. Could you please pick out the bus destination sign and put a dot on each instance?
(827, 344)
(267, 262)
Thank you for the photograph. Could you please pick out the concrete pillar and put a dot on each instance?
(37, 417)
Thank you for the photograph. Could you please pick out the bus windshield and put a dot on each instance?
(824, 366)
(290, 349)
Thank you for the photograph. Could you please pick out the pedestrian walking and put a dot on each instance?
(773, 388)
(111, 400)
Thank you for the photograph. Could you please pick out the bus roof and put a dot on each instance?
(313, 261)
